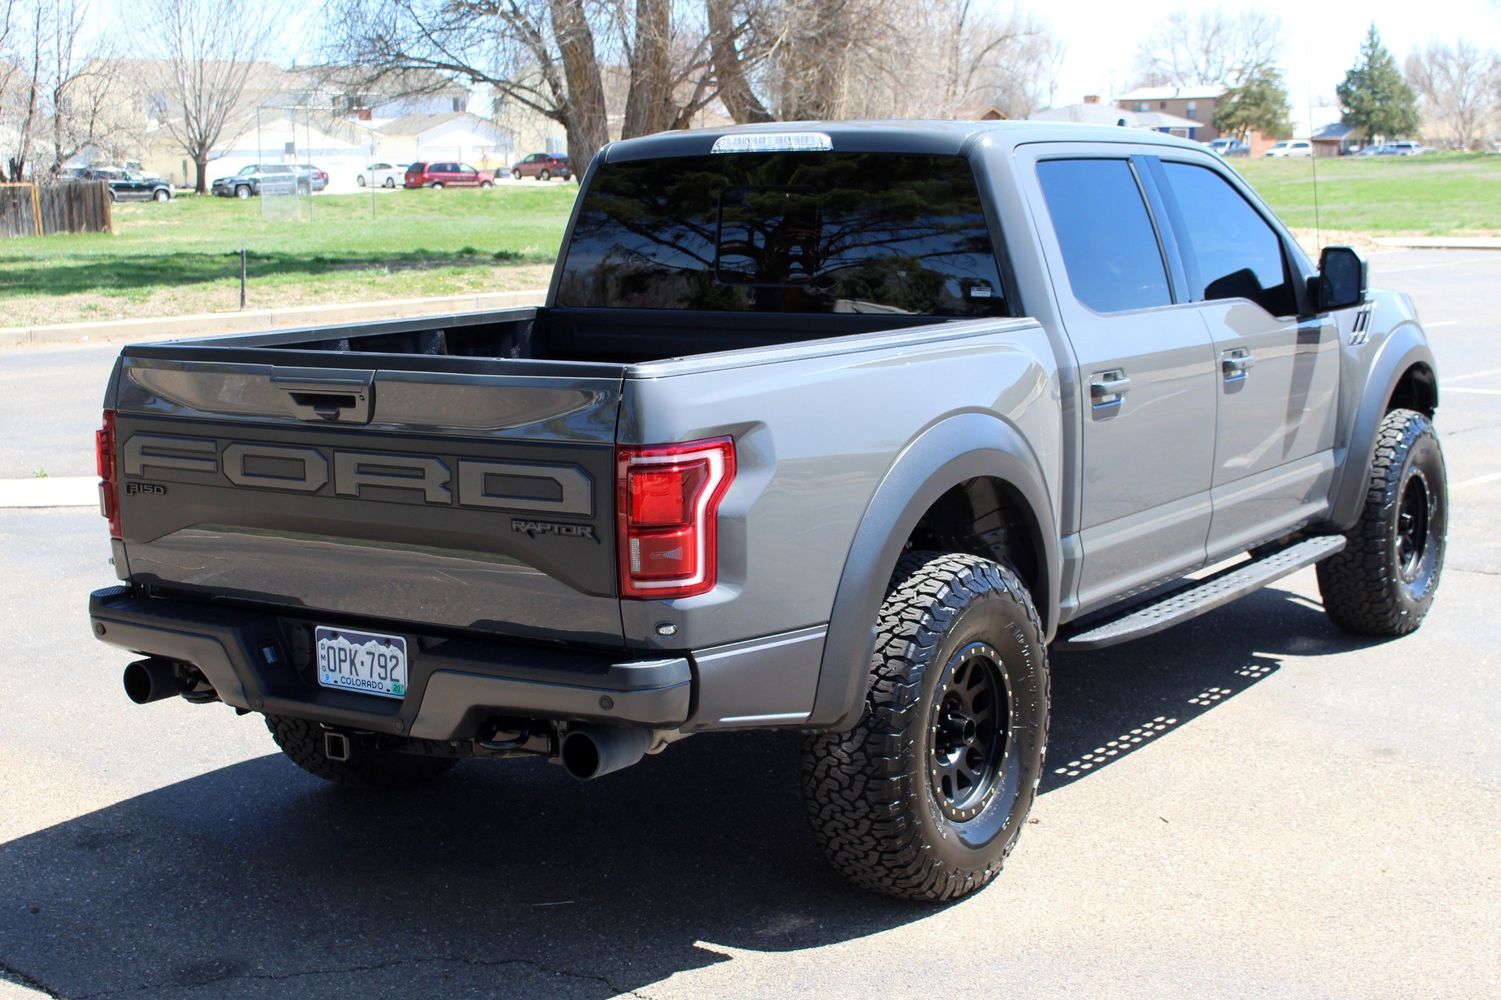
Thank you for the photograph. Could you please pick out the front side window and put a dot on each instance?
(1229, 250)
(820, 232)
(1109, 247)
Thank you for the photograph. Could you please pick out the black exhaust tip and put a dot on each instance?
(151, 680)
(589, 753)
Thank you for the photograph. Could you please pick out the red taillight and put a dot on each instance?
(668, 507)
(104, 461)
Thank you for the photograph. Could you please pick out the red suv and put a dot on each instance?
(441, 175)
(542, 166)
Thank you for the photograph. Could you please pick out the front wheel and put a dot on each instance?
(515, 175)
(926, 796)
(544, 176)
(1383, 581)
(242, 192)
(366, 768)
(359, 179)
(162, 195)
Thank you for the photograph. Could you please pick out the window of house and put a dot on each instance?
(1193, 110)
(1229, 250)
(1109, 247)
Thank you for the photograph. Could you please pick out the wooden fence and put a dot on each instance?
(73, 207)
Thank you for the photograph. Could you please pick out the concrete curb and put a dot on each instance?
(203, 324)
(1439, 242)
(50, 491)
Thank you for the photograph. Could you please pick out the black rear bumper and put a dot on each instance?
(454, 684)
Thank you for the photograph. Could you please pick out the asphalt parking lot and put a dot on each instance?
(1251, 805)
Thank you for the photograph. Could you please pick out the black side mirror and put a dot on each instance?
(1341, 282)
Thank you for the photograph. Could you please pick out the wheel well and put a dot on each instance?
(987, 517)
(1417, 389)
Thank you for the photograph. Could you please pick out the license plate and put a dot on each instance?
(362, 661)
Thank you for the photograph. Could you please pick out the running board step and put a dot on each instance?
(1204, 595)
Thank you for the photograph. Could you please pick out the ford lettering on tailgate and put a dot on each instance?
(528, 487)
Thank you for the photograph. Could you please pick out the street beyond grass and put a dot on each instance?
(183, 256)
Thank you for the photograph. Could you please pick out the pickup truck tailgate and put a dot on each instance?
(471, 499)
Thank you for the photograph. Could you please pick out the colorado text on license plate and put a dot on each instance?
(362, 661)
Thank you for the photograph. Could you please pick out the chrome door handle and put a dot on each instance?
(1107, 388)
(1235, 363)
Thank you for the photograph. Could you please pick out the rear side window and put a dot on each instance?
(787, 233)
(1229, 250)
(1109, 247)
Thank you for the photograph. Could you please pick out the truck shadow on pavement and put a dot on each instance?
(510, 879)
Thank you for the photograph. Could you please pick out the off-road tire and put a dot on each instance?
(1380, 583)
(873, 793)
(366, 768)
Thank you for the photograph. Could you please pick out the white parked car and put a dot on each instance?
(1291, 147)
(386, 175)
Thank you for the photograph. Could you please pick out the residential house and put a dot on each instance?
(1195, 104)
(385, 97)
(451, 135)
(1092, 112)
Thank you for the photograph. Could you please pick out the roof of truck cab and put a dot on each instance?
(935, 138)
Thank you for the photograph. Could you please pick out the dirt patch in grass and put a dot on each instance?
(346, 284)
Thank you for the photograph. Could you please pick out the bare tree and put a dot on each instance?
(1458, 89)
(547, 56)
(1211, 46)
(210, 53)
(739, 45)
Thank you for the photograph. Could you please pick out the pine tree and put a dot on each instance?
(1374, 94)
(1259, 104)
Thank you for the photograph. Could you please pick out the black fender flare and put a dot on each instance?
(1401, 351)
(959, 448)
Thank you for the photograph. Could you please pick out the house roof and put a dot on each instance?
(1336, 132)
(1193, 92)
(1109, 114)
(417, 124)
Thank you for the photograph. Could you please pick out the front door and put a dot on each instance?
(1277, 375)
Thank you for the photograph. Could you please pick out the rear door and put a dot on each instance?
(446, 491)
(1145, 365)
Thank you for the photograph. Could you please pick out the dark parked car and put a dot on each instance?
(277, 178)
(446, 174)
(1226, 146)
(125, 185)
(543, 166)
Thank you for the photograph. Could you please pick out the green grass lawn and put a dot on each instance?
(1430, 195)
(183, 256)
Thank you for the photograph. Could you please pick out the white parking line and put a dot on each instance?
(1442, 322)
(1489, 477)
(50, 491)
(1465, 378)
(1473, 392)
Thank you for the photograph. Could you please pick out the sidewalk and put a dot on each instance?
(204, 324)
(50, 491)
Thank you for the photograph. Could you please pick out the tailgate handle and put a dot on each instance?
(338, 399)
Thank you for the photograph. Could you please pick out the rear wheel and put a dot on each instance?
(486, 184)
(1383, 581)
(926, 796)
(437, 185)
(367, 767)
(390, 182)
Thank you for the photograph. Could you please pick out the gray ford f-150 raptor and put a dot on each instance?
(828, 427)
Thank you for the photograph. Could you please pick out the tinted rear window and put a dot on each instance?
(785, 232)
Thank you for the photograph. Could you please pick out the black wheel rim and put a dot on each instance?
(969, 732)
(1414, 515)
